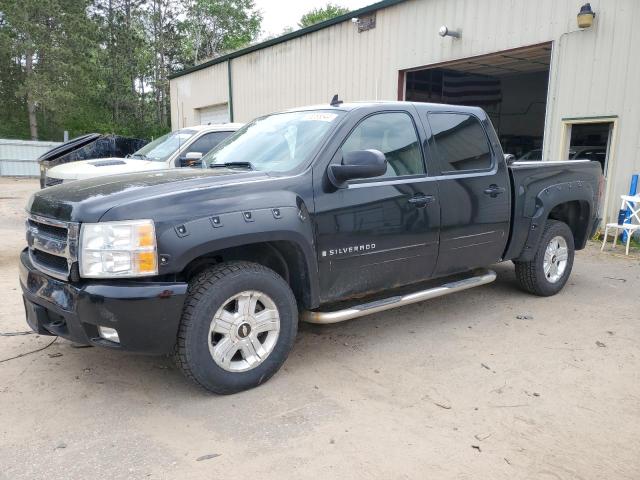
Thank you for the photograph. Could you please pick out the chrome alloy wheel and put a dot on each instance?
(244, 331)
(555, 259)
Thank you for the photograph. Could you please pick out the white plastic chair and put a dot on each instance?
(633, 204)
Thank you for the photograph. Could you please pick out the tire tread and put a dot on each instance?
(527, 273)
(198, 288)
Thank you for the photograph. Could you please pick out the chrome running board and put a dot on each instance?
(481, 277)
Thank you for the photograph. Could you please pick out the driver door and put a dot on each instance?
(382, 232)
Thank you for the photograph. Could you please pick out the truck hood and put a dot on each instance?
(88, 200)
(101, 167)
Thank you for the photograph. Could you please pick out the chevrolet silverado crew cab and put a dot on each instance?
(181, 148)
(321, 214)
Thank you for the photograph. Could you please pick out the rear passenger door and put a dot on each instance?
(475, 197)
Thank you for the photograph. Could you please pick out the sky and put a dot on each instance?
(279, 14)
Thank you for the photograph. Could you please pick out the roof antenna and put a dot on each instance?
(334, 101)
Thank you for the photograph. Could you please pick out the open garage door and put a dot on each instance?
(511, 86)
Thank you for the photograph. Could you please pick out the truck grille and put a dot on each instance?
(53, 245)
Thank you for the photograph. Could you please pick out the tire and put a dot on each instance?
(214, 303)
(531, 275)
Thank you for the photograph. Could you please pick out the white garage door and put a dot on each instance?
(214, 114)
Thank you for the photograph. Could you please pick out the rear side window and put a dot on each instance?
(394, 134)
(207, 141)
(461, 142)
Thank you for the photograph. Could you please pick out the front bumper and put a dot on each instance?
(145, 314)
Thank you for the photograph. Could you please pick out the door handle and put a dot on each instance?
(494, 190)
(421, 201)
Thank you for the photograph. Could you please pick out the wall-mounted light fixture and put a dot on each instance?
(365, 23)
(585, 16)
(445, 32)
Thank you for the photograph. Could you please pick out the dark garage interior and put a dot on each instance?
(511, 86)
(589, 141)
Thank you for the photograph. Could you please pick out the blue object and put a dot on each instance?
(633, 189)
(622, 215)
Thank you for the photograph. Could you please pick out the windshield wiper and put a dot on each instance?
(246, 165)
(138, 155)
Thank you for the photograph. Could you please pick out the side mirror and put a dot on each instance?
(357, 164)
(191, 159)
(509, 158)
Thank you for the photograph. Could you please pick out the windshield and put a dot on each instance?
(275, 143)
(163, 147)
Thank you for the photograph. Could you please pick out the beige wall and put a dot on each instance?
(200, 89)
(594, 72)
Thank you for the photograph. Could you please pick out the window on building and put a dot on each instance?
(393, 134)
(461, 142)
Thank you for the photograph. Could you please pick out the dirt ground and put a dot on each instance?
(491, 383)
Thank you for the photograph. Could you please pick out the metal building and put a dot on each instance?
(19, 157)
(555, 90)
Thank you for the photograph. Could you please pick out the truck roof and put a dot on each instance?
(216, 127)
(364, 104)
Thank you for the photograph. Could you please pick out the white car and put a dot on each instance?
(181, 148)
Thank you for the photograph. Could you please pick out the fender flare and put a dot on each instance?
(179, 245)
(541, 206)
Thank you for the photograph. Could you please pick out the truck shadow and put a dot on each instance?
(315, 347)
(317, 343)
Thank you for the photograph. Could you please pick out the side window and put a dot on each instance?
(460, 141)
(207, 141)
(393, 134)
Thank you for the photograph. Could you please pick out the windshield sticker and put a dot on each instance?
(319, 117)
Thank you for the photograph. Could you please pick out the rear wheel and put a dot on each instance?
(238, 326)
(548, 271)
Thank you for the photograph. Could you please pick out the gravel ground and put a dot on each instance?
(491, 383)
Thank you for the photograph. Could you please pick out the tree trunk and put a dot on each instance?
(156, 68)
(112, 65)
(142, 101)
(163, 75)
(31, 104)
(131, 66)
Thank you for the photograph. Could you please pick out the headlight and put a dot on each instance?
(118, 249)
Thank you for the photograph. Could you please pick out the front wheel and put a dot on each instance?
(549, 270)
(238, 325)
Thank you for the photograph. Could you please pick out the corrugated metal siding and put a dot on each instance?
(18, 157)
(364, 66)
(594, 72)
(200, 89)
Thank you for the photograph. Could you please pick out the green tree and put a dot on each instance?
(103, 65)
(10, 77)
(163, 29)
(321, 14)
(121, 63)
(214, 27)
(43, 44)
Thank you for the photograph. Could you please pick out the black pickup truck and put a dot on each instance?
(323, 213)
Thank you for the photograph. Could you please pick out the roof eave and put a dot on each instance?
(289, 36)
